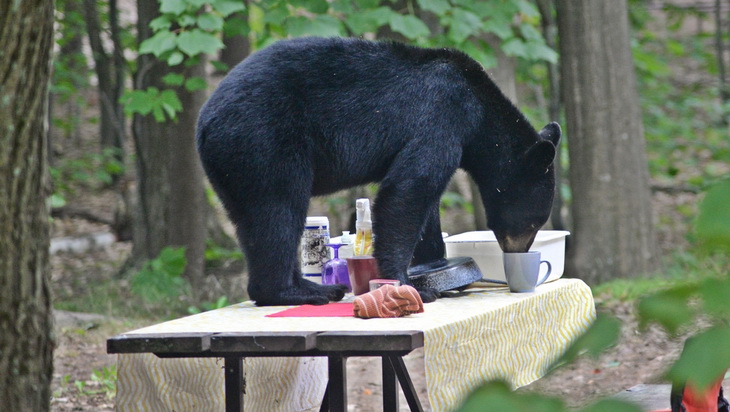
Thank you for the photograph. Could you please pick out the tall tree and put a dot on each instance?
(172, 204)
(110, 73)
(613, 232)
(237, 44)
(26, 345)
(550, 33)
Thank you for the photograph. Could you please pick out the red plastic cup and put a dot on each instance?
(362, 269)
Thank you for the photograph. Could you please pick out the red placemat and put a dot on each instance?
(316, 311)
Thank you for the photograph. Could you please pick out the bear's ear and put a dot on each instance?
(540, 155)
(551, 132)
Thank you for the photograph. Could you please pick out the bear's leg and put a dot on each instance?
(269, 227)
(431, 245)
(410, 193)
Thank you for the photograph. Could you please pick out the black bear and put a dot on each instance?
(311, 116)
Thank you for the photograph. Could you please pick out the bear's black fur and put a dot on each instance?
(312, 116)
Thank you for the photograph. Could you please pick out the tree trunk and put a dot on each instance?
(26, 344)
(171, 205)
(613, 233)
(550, 33)
(110, 73)
(237, 46)
(73, 65)
(720, 50)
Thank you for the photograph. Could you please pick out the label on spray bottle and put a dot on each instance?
(314, 250)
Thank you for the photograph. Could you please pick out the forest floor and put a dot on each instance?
(84, 376)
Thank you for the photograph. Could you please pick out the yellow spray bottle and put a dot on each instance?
(364, 227)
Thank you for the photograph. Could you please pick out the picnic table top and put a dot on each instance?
(485, 334)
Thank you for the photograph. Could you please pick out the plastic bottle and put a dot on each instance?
(364, 226)
(314, 250)
(346, 250)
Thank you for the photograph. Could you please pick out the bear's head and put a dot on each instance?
(521, 201)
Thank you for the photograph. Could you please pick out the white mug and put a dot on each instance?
(522, 270)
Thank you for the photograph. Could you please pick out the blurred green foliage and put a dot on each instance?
(90, 171)
(683, 115)
(221, 302)
(160, 280)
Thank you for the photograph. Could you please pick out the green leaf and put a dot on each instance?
(481, 53)
(175, 58)
(160, 42)
(315, 6)
(345, 8)
(176, 7)
(500, 397)
(410, 26)
(196, 4)
(713, 222)
(195, 83)
(228, 7)
(540, 51)
(515, 47)
(463, 25)
(186, 20)
(367, 4)
(612, 405)
(529, 32)
(714, 293)
(173, 260)
(196, 41)
(208, 21)
(440, 7)
(527, 8)
(159, 280)
(173, 79)
(704, 360)
(276, 16)
(326, 26)
(161, 23)
(170, 103)
(235, 27)
(369, 21)
(57, 200)
(668, 308)
(603, 334)
(501, 27)
(139, 101)
(219, 66)
(675, 47)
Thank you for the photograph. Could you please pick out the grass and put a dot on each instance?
(689, 266)
(114, 298)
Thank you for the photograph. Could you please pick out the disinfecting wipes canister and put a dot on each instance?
(314, 250)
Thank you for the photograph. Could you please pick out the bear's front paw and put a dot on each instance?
(307, 293)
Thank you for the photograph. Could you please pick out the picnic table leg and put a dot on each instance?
(337, 383)
(390, 386)
(234, 383)
(405, 383)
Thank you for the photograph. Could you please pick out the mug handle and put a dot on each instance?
(547, 275)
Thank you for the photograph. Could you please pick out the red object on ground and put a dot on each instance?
(331, 310)
(706, 401)
(694, 401)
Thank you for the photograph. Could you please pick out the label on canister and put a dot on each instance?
(314, 250)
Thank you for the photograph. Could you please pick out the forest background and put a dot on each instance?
(139, 237)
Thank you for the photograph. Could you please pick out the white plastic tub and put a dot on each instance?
(482, 246)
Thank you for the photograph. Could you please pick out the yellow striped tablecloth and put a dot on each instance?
(485, 335)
